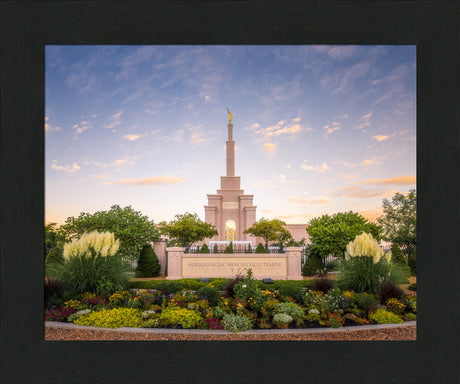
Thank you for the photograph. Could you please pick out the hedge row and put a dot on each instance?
(171, 286)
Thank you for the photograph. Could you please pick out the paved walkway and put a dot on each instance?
(55, 324)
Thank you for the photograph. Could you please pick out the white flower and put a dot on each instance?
(244, 285)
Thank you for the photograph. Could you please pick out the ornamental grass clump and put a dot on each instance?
(365, 267)
(91, 264)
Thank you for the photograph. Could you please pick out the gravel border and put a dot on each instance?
(201, 332)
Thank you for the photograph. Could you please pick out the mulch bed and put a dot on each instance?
(398, 333)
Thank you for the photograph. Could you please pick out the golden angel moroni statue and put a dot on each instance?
(229, 116)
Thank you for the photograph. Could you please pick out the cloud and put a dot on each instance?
(49, 128)
(402, 180)
(114, 120)
(317, 168)
(362, 193)
(349, 176)
(344, 164)
(321, 200)
(374, 160)
(124, 161)
(333, 127)
(364, 121)
(132, 137)
(81, 127)
(158, 180)
(380, 137)
(270, 147)
(252, 127)
(101, 177)
(282, 178)
(298, 200)
(282, 128)
(68, 168)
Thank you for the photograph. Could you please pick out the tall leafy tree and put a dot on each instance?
(187, 229)
(133, 229)
(399, 220)
(270, 230)
(331, 234)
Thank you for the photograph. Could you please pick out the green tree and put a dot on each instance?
(399, 220)
(270, 230)
(204, 249)
(52, 239)
(260, 248)
(148, 264)
(130, 227)
(397, 256)
(187, 229)
(331, 234)
(314, 264)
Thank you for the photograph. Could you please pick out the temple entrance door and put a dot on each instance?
(230, 230)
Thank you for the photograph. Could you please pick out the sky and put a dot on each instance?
(317, 129)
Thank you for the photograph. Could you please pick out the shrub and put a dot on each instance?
(249, 249)
(413, 261)
(54, 258)
(395, 306)
(209, 293)
(204, 249)
(411, 303)
(323, 285)
(291, 290)
(54, 292)
(148, 264)
(179, 318)
(282, 320)
(229, 287)
(389, 291)
(229, 248)
(78, 314)
(397, 256)
(260, 248)
(366, 301)
(335, 320)
(91, 264)
(413, 287)
(295, 311)
(59, 314)
(154, 322)
(236, 323)
(215, 249)
(112, 318)
(314, 262)
(384, 317)
(169, 287)
(411, 316)
(248, 291)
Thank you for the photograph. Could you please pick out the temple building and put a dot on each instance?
(230, 210)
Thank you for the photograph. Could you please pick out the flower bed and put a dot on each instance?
(245, 306)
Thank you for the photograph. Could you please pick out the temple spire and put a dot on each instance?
(230, 147)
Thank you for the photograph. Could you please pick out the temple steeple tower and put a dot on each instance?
(230, 210)
(230, 147)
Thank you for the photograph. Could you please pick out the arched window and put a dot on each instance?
(230, 230)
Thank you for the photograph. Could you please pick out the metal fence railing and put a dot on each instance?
(237, 248)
